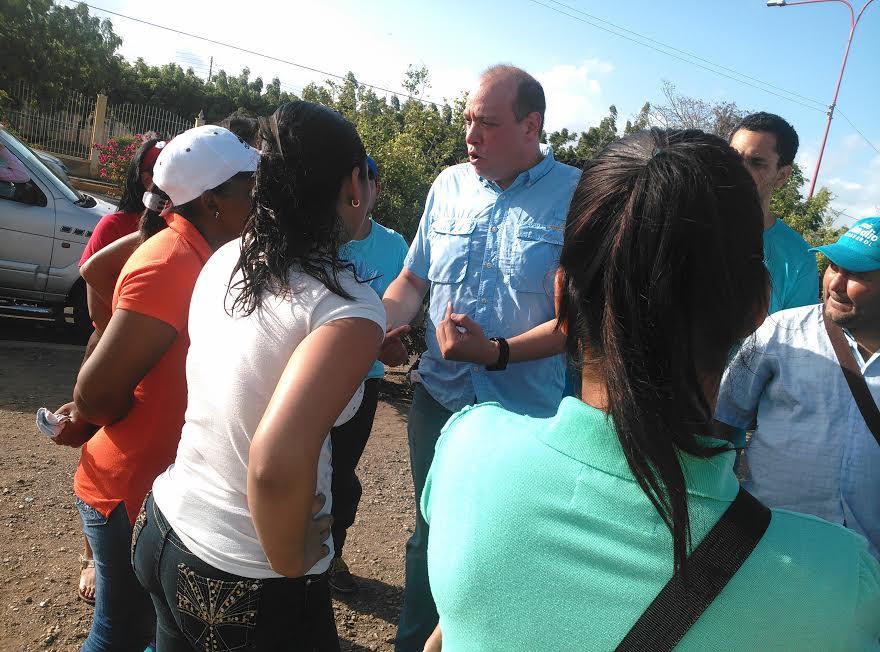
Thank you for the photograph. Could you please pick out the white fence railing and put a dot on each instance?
(67, 126)
(63, 127)
(130, 119)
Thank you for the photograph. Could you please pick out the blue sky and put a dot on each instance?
(584, 69)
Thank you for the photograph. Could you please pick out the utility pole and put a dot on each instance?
(210, 69)
(853, 22)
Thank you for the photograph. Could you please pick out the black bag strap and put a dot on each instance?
(710, 567)
(854, 378)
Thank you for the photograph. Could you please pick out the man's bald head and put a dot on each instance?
(503, 119)
(527, 92)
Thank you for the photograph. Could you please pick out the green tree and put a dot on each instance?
(48, 46)
(812, 218)
(576, 149)
(641, 121)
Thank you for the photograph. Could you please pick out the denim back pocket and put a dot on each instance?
(89, 514)
(217, 615)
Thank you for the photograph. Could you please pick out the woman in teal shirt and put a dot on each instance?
(557, 533)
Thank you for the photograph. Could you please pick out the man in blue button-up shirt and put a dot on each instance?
(812, 450)
(488, 243)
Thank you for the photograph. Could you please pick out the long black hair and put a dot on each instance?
(133, 189)
(308, 151)
(662, 275)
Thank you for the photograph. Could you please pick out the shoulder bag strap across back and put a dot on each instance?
(710, 567)
(854, 378)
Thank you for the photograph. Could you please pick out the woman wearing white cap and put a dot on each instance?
(282, 336)
(133, 384)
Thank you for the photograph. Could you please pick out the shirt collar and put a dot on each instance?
(587, 435)
(854, 345)
(185, 229)
(530, 176)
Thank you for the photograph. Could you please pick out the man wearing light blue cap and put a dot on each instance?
(812, 450)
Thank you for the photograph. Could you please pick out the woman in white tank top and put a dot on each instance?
(282, 334)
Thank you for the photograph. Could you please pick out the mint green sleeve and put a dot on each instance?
(437, 465)
(864, 635)
(425, 503)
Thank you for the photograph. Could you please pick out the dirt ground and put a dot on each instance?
(40, 536)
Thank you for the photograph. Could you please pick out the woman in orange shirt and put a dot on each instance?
(134, 384)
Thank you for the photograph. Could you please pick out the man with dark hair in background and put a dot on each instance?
(768, 145)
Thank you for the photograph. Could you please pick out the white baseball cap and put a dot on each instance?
(200, 159)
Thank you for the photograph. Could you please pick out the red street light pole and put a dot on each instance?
(853, 21)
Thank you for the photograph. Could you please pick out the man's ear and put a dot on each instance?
(782, 175)
(533, 124)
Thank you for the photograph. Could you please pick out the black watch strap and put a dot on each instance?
(503, 355)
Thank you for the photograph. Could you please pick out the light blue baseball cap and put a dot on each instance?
(858, 250)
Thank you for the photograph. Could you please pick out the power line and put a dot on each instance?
(838, 213)
(675, 56)
(872, 145)
(198, 65)
(820, 104)
(698, 58)
(252, 52)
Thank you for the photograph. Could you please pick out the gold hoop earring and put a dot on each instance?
(355, 202)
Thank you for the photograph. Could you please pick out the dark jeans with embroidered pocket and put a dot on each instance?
(199, 607)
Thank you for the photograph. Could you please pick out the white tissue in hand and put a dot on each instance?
(49, 423)
(353, 406)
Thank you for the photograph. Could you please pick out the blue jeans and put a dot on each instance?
(201, 607)
(124, 618)
(418, 615)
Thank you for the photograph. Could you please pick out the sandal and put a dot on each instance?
(85, 564)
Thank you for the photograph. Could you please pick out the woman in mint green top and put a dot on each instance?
(557, 533)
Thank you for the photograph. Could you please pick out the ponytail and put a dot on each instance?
(662, 275)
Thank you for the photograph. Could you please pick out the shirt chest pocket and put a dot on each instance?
(450, 249)
(534, 257)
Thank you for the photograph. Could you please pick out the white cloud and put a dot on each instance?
(837, 182)
(574, 94)
(450, 82)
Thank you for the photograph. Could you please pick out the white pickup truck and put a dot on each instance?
(45, 224)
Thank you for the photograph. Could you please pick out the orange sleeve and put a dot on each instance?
(161, 289)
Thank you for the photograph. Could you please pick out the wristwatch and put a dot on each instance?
(503, 355)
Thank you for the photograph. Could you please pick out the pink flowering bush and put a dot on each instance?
(115, 156)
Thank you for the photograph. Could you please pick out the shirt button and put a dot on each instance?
(484, 301)
(494, 229)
